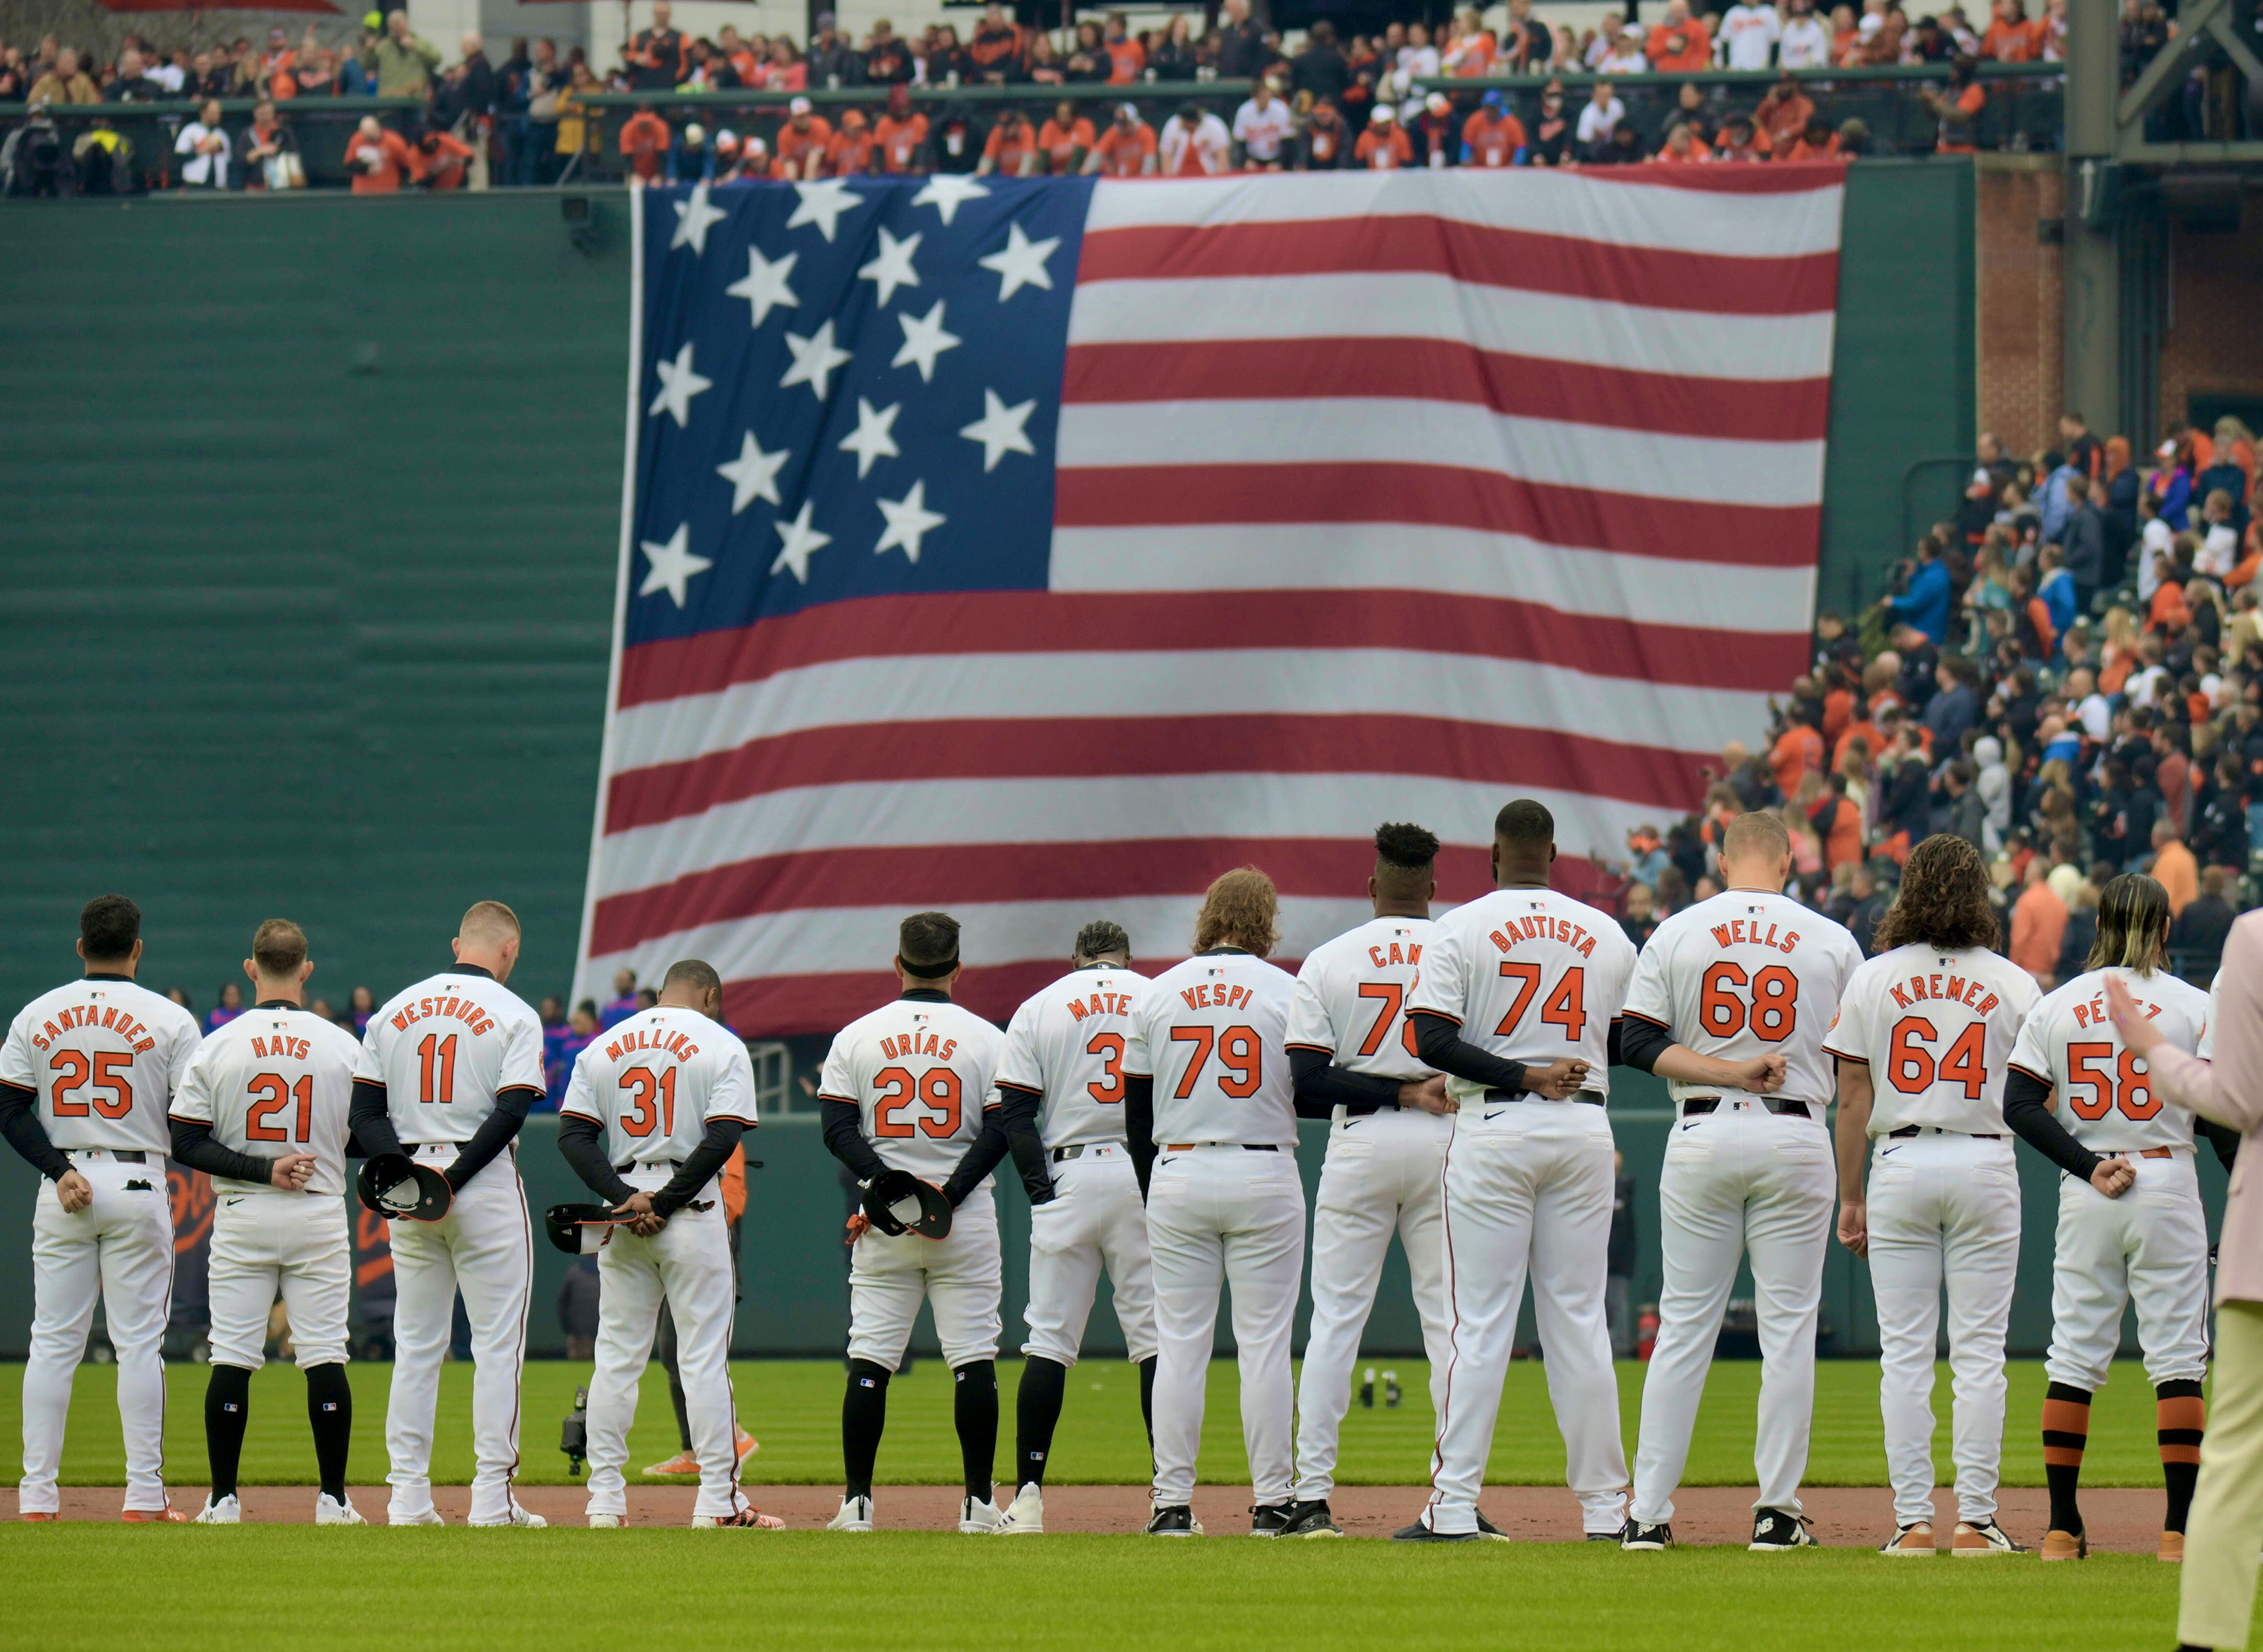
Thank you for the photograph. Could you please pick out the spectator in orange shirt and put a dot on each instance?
(849, 154)
(1741, 141)
(1785, 114)
(2175, 869)
(379, 159)
(2038, 923)
(1681, 148)
(1011, 149)
(1818, 142)
(803, 141)
(902, 134)
(1492, 135)
(645, 141)
(1383, 146)
(1127, 148)
(1470, 49)
(1797, 751)
(1958, 109)
(442, 157)
(2011, 38)
(1127, 57)
(1066, 139)
(1680, 43)
(996, 48)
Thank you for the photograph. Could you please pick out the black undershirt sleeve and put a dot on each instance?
(193, 1146)
(371, 1123)
(1322, 1086)
(20, 1126)
(1019, 1113)
(495, 1133)
(700, 1164)
(2026, 1110)
(1441, 1045)
(844, 1139)
(581, 1144)
(980, 1158)
(1639, 1043)
(1140, 1125)
(1615, 1044)
(2222, 1137)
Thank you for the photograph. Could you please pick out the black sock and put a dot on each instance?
(330, 1410)
(863, 1415)
(1037, 1412)
(1148, 1401)
(227, 1408)
(2182, 1421)
(2066, 1434)
(974, 1407)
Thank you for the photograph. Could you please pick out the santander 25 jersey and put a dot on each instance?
(1067, 1043)
(442, 1049)
(104, 1056)
(919, 1071)
(1531, 977)
(1212, 1032)
(2102, 1098)
(1350, 998)
(1747, 974)
(655, 1080)
(1936, 1029)
(273, 1083)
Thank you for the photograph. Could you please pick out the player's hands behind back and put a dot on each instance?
(643, 1219)
(2113, 1177)
(1429, 1095)
(289, 1173)
(74, 1191)
(1558, 1079)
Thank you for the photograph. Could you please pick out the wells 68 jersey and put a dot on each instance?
(919, 1071)
(1936, 1029)
(273, 1083)
(1530, 976)
(442, 1049)
(1351, 994)
(1747, 974)
(1067, 1042)
(655, 1080)
(105, 1057)
(2068, 1041)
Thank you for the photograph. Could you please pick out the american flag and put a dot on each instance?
(1038, 549)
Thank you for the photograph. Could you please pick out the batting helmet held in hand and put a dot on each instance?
(898, 1202)
(395, 1186)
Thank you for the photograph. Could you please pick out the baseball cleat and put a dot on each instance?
(1174, 1519)
(1646, 1536)
(1269, 1520)
(1025, 1516)
(2066, 1545)
(2172, 1548)
(1493, 1533)
(1418, 1532)
(856, 1515)
(1973, 1539)
(167, 1516)
(1776, 1530)
(978, 1515)
(684, 1463)
(607, 1522)
(329, 1511)
(1309, 1517)
(41, 1517)
(226, 1511)
(1910, 1541)
(424, 1517)
(526, 1517)
(1618, 1537)
(745, 1445)
(749, 1518)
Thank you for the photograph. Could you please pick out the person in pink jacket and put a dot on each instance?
(2218, 1594)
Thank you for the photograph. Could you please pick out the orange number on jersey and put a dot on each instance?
(899, 1088)
(2119, 1087)
(1390, 995)
(645, 1086)
(1109, 1047)
(436, 1068)
(1202, 1038)
(278, 1095)
(937, 1087)
(1239, 1052)
(1528, 979)
(1775, 1003)
(74, 1067)
(107, 1070)
(1566, 1006)
(1910, 1065)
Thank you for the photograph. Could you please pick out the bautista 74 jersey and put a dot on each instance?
(105, 1057)
(655, 1080)
(1067, 1043)
(1350, 998)
(442, 1049)
(919, 1072)
(273, 1083)
(2100, 1092)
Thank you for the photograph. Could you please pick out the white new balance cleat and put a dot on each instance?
(747, 1519)
(855, 1516)
(607, 1522)
(978, 1515)
(227, 1512)
(329, 1511)
(526, 1517)
(427, 1517)
(1025, 1514)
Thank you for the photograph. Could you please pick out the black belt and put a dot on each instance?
(1696, 1106)
(657, 1164)
(1935, 1129)
(1247, 1147)
(124, 1156)
(1076, 1150)
(1591, 1097)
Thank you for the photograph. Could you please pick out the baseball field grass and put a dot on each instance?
(793, 1407)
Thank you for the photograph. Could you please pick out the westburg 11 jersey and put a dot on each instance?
(105, 1057)
(1212, 1033)
(2068, 1041)
(919, 1072)
(1936, 1029)
(1350, 999)
(1068, 1044)
(1747, 974)
(271, 1083)
(444, 1048)
(655, 1080)
(1529, 975)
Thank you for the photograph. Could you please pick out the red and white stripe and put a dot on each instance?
(1380, 496)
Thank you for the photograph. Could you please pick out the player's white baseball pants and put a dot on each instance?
(484, 1246)
(688, 1264)
(1529, 1190)
(1738, 1181)
(1094, 1216)
(1385, 1173)
(959, 1274)
(1217, 1216)
(1943, 1211)
(294, 1242)
(118, 1250)
(2150, 1244)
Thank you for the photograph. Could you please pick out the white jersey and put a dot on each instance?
(1212, 1033)
(1748, 33)
(1936, 1029)
(1067, 1043)
(1805, 43)
(1263, 132)
(104, 1056)
(444, 1048)
(2068, 1041)
(1747, 974)
(1350, 1000)
(655, 1080)
(919, 1071)
(1530, 976)
(272, 1083)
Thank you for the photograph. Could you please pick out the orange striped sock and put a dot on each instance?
(2182, 1419)
(2066, 1434)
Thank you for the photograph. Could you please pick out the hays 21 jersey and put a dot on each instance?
(105, 1057)
(1747, 974)
(2101, 1095)
(919, 1071)
(1068, 1044)
(1212, 1032)
(444, 1048)
(1530, 976)
(655, 1080)
(1936, 1029)
(1350, 999)
(273, 1083)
